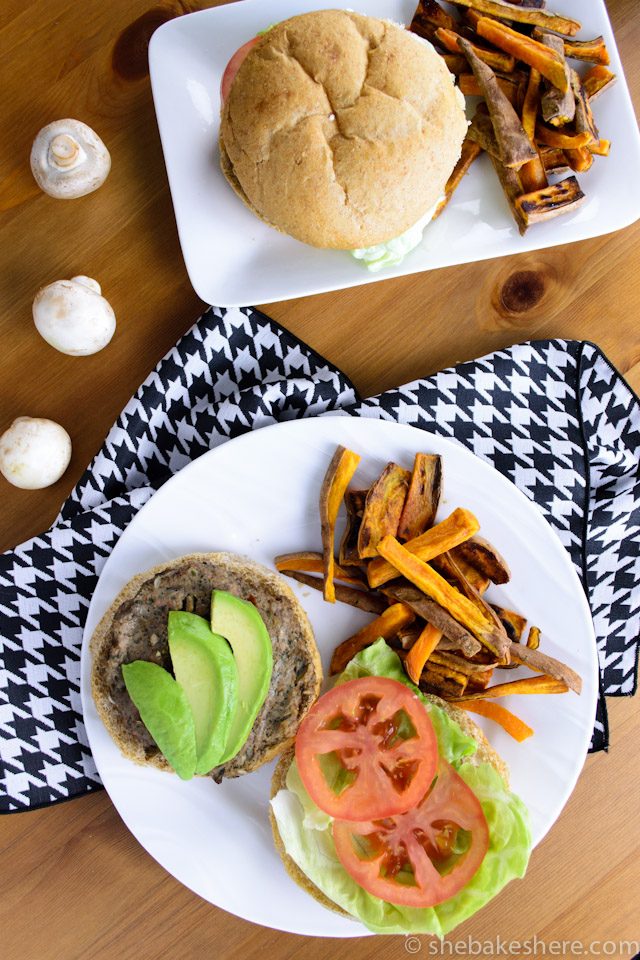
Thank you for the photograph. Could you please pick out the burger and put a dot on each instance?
(204, 665)
(393, 809)
(341, 130)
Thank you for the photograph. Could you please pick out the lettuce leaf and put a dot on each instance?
(306, 831)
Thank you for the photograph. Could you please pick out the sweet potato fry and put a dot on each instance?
(336, 480)
(453, 660)
(513, 622)
(531, 105)
(436, 587)
(474, 577)
(580, 160)
(470, 152)
(558, 106)
(512, 188)
(434, 680)
(590, 51)
(383, 508)
(421, 651)
(515, 147)
(482, 133)
(468, 85)
(564, 141)
(456, 63)
(362, 599)
(482, 555)
(533, 640)
(432, 12)
(596, 80)
(511, 724)
(563, 197)
(310, 562)
(534, 176)
(600, 149)
(530, 685)
(585, 122)
(535, 660)
(423, 496)
(554, 160)
(354, 501)
(454, 635)
(550, 64)
(521, 14)
(386, 625)
(454, 530)
(496, 59)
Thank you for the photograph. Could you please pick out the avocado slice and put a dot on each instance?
(165, 712)
(205, 668)
(239, 622)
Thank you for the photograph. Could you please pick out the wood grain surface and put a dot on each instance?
(74, 883)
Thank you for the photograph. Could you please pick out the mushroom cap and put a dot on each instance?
(68, 159)
(73, 316)
(34, 453)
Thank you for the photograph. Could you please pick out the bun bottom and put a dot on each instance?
(484, 754)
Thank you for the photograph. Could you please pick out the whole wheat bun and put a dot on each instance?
(484, 754)
(341, 130)
(135, 627)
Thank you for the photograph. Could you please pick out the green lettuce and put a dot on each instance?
(306, 830)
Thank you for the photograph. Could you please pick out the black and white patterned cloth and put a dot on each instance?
(552, 416)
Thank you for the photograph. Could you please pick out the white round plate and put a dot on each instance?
(258, 495)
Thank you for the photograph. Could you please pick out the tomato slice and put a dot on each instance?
(367, 749)
(233, 66)
(422, 857)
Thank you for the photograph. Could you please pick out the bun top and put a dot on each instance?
(341, 129)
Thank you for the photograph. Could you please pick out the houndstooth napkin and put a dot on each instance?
(553, 416)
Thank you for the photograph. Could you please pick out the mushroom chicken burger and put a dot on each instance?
(342, 131)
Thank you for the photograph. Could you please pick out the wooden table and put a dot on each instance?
(74, 882)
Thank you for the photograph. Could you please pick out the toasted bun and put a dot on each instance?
(135, 627)
(484, 754)
(341, 129)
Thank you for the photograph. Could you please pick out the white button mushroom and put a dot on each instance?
(68, 159)
(34, 453)
(73, 316)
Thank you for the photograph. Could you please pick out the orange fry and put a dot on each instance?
(513, 725)
(386, 626)
(541, 58)
(458, 527)
(421, 651)
(428, 581)
(336, 480)
(538, 684)
(493, 58)
(565, 141)
(522, 14)
(311, 562)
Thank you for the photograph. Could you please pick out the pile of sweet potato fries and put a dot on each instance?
(425, 584)
(535, 118)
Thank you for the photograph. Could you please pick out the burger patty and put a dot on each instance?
(138, 631)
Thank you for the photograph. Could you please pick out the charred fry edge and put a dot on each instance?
(554, 200)
(536, 16)
(383, 508)
(423, 496)
(470, 153)
(336, 480)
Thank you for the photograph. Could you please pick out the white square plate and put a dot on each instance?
(233, 259)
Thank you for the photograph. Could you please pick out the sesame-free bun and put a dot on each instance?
(341, 130)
